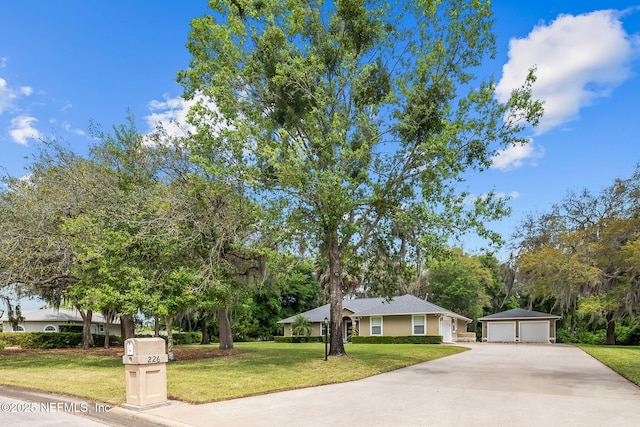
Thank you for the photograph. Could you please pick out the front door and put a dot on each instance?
(346, 329)
(445, 329)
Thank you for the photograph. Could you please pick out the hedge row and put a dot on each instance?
(180, 338)
(299, 339)
(52, 339)
(70, 327)
(422, 339)
(74, 339)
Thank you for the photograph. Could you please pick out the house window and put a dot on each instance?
(50, 328)
(376, 326)
(322, 328)
(21, 329)
(419, 325)
(101, 329)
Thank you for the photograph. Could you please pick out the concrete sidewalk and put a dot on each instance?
(491, 385)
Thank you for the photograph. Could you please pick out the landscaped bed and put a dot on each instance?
(205, 374)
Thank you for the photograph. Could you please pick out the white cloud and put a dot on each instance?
(22, 129)
(67, 126)
(171, 115)
(515, 156)
(7, 95)
(578, 58)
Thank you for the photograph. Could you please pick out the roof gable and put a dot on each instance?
(319, 313)
(364, 307)
(407, 304)
(520, 313)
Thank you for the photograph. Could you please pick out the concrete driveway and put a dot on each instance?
(491, 385)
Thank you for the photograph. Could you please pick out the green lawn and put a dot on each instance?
(623, 360)
(265, 367)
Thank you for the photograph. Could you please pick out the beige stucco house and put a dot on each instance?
(402, 316)
(50, 319)
(519, 325)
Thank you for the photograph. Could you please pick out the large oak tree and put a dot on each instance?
(354, 117)
(36, 245)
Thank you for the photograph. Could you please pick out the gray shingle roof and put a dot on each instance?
(318, 314)
(405, 304)
(61, 315)
(520, 313)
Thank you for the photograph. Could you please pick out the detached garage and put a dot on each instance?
(519, 325)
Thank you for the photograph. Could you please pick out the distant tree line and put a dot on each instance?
(582, 258)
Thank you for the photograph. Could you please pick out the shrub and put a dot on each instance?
(3, 344)
(187, 338)
(581, 337)
(45, 340)
(628, 335)
(50, 339)
(70, 327)
(10, 338)
(179, 338)
(298, 339)
(114, 340)
(422, 339)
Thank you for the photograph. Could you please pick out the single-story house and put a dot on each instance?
(401, 316)
(50, 319)
(519, 325)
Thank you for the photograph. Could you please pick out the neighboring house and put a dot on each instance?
(402, 316)
(50, 319)
(519, 325)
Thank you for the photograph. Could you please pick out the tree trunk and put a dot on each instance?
(205, 333)
(107, 332)
(127, 329)
(611, 329)
(109, 315)
(226, 339)
(156, 327)
(335, 304)
(87, 338)
(169, 322)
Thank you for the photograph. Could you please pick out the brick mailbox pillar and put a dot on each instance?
(145, 363)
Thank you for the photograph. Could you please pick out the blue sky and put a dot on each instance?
(65, 63)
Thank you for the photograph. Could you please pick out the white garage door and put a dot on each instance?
(537, 331)
(501, 331)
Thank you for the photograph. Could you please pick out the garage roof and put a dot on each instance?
(519, 313)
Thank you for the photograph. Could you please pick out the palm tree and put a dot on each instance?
(301, 326)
